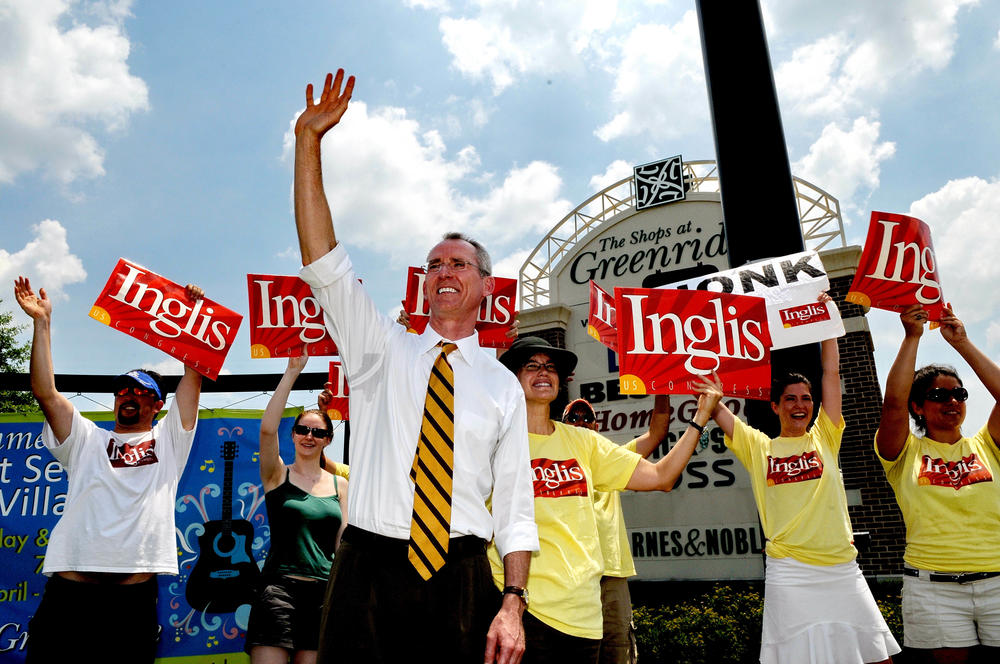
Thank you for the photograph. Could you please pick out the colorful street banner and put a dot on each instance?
(203, 615)
(496, 315)
(790, 286)
(158, 312)
(668, 338)
(285, 318)
(338, 406)
(601, 323)
(898, 268)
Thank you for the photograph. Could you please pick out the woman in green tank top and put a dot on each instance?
(307, 512)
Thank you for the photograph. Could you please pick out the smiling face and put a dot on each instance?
(942, 416)
(134, 412)
(541, 385)
(308, 445)
(794, 409)
(455, 294)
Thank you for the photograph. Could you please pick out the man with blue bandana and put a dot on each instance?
(116, 532)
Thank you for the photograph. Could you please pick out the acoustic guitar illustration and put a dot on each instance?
(225, 575)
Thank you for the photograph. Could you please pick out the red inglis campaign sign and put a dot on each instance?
(156, 311)
(897, 267)
(337, 408)
(601, 321)
(496, 315)
(668, 338)
(285, 318)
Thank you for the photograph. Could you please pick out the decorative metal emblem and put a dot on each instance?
(659, 182)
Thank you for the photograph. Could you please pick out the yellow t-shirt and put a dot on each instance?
(950, 499)
(615, 546)
(564, 582)
(799, 491)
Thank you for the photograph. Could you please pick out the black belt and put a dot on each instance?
(956, 577)
(465, 546)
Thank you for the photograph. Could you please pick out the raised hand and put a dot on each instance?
(297, 364)
(952, 329)
(319, 118)
(194, 292)
(913, 319)
(37, 306)
(709, 391)
(325, 397)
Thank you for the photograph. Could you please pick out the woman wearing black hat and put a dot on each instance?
(563, 620)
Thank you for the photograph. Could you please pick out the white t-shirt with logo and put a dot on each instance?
(950, 499)
(119, 510)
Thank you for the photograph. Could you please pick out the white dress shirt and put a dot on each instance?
(387, 370)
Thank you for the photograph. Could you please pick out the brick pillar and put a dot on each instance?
(872, 504)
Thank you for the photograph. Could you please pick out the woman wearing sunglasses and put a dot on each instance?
(306, 512)
(948, 488)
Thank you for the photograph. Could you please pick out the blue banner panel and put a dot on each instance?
(221, 525)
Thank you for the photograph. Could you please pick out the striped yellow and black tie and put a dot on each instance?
(432, 471)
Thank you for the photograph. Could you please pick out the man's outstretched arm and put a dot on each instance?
(57, 408)
(312, 211)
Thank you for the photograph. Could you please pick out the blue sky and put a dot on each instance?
(160, 132)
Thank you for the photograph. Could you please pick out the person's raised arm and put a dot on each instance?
(831, 394)
(663, 474)
(894, 427)
(505, 639)
(312, 211)
(953, 331)
(189, 388)
(271, 466)
(57, 408)
(659, 424)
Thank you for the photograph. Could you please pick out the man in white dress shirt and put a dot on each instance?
(379, 608)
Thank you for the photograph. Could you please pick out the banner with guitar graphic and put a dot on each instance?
(222, 534)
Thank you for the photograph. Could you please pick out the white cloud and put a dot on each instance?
(846, 64)
(962, 218)
(616, 171)
(845, 163)
(395, 188)
(61, 76)
(46, 260)
(502, 40)
(659, 83)
(510, 265)
(993, 335)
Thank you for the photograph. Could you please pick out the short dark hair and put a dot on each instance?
(779, 384)
(482, 256)
(922, 381)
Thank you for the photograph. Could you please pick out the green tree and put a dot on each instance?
(14, 358)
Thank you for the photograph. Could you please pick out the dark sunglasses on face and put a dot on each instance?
(303, 430)
(944, 395)
(137, 391)
(575, 418)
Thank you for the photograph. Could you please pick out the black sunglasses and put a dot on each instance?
(573, 418)
(137, 391)
(303, 430)
(944, 395)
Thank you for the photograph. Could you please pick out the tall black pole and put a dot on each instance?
(759, 209)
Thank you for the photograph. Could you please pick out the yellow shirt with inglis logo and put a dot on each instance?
(564, 582)
(799, 491)
(950, 499)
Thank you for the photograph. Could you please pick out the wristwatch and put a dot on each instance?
(520, 592)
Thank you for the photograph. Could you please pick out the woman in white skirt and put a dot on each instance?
(817, 606)
(948, 489)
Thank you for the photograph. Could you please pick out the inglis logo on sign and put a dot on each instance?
(558, 478)
(802, 315)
